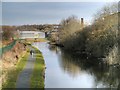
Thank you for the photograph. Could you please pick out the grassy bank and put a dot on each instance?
(36, 40)
(37, 79)
(13, 73)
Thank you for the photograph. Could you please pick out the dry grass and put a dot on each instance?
(14, 72)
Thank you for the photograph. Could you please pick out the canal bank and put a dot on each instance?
(12, 74)
(38, 75)
(10, 58)
(32, 75)
(28, 70)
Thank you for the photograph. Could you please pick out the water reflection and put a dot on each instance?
(108, 75)
(75, 65)
(66, 70)
(54, 48)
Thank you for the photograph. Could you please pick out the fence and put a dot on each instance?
(7, 48)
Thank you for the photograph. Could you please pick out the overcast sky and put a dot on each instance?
(60, 0)
(19, 13)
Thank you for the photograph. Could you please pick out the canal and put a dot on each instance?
(65, 70)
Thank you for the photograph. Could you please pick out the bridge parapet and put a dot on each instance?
(31, 34)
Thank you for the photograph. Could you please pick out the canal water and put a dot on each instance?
(65, 70)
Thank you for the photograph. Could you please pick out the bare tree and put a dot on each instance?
(68, 27)
(8, 32)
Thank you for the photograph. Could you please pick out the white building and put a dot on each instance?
(31, 34)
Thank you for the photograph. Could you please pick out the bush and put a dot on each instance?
(99, 42)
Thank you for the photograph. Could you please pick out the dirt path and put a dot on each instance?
(23, 80)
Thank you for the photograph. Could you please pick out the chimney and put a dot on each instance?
(82, 22)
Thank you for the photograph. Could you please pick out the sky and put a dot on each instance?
(19, 13)
(59, 0)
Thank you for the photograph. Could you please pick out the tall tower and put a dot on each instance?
(82, 23)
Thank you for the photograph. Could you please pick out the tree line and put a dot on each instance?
(96, 39)
(11, 32)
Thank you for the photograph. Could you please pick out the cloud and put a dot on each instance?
(51, 12)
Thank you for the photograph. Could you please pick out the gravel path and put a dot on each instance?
(23, 80)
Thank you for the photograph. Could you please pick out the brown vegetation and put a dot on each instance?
(44, 27)
(95, 40)
(10, 58)
(8, 32)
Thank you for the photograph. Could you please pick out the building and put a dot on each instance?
(31, 34)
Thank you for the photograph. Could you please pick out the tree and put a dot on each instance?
(68, 27)
(8, 32)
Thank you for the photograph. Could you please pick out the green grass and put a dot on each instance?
(37, 79)
(13, 74)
